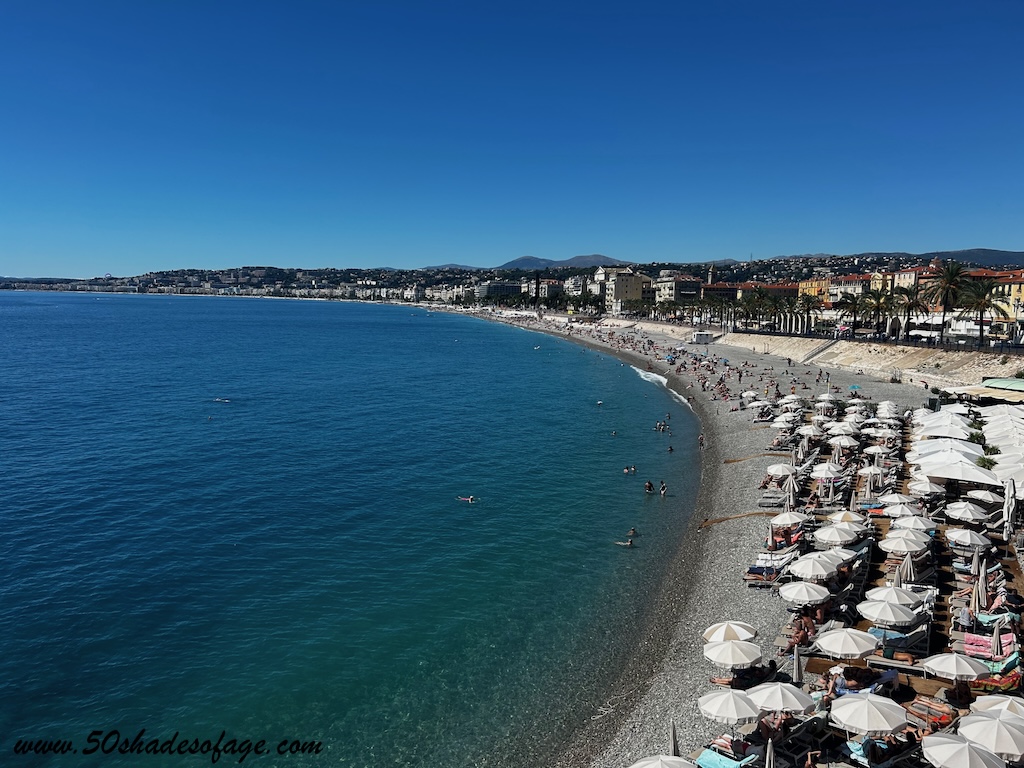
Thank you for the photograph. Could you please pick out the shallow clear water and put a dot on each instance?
(242, 515)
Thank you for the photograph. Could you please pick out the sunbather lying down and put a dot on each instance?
(749, 677)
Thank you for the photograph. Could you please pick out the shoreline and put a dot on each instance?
(666, 671)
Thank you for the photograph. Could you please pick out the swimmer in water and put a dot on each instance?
(470, 499)
(632, 532)
(626, 543)
(664, 488)
(648, 487)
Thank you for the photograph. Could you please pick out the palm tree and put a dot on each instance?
(910, 300)
(851, 305)
(979, 297)
(945, 289)
(877, 302)
(808, 304)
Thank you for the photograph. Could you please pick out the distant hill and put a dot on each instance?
(449, 266)
(532, 262)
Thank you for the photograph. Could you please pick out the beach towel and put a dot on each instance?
(997, 683)
(711, 759)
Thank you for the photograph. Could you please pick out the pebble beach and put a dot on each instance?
(659, 687)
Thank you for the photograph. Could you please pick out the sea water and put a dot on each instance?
(241, 516)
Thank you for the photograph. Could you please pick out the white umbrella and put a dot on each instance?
(662, 761)
(997, 730)
(843, 441)
(966, 511)
(943, 444)
(868, 714)
(899, 510)
(950, 750)
(901, 546)
(733, 654)
(955, 666)
(885, 614)
(786, 519)
(939, 458)
(780, 697)
(827, 471)
(729, 630)
(870, 471)
(846, 516)
(813, 568)
(1014, 704)
(843, 428)
(846, 643)
(986, 496)
(896, 498)
(906, 571)
(834, 535)
(967, 473)
(895, 595)
(827, 396)
(780, 470)
(924, 488)
(962, 537)
(804, 593)
(906, 534)
(729, 706)
(809, 430)
(913, 523)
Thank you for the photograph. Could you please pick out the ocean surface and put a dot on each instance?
(242, 515)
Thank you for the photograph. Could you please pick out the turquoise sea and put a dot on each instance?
(241, 515)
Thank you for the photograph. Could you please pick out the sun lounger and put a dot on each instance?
(1008, 683)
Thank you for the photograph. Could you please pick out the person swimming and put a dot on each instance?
(470, 499)
(632, 532)
(626, 543)
(648, 487)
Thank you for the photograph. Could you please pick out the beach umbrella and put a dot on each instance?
(951, 750)
(786, 519)
(780, 470)
(846, 516)
(942, 430)
(826, 471)
(886, 433)
(924, 488)
(733, 654)
(967, 473)
(812, 568)
(870, 471)
(944, 444)
(868, 714)
(843, 441)
(750, 393)
(798, 668)
(967, 512)
(955, 666)
(979, 591)
(939, 458)
(964, 538)
(729, 630)
(899, 510)
(906, 534)
(834, 535)
(885, 614)
(780, 697)
(976, 562)
(729, 706)
(896, 498)
(662, 761)
(843, 428)
(769, 754)
(827, 396)
(875, 450)
(913, 523)
(901, 546)
(907, 572)
(997, 730)
(895, 595)
(846, 643)
(999, 701)
(985, 496)
(673, 742)
(810, 430)
(791, 399)
(997, 637)
(804, 593)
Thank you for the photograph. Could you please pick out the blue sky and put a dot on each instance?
(144, 136)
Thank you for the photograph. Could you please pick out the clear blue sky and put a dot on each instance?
(141, 136)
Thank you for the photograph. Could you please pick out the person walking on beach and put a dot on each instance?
(700, 441)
